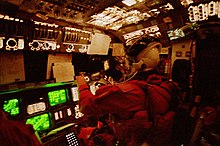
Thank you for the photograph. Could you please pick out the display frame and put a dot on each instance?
(53, 93)
(5, 106)
(35, 117)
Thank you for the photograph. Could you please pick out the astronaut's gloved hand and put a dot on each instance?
(80, 80)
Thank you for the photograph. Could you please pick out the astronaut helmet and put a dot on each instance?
(141, 55)
(145, 54)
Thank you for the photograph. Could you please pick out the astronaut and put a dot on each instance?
(142, 108)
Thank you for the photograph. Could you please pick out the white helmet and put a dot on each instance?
(142, 55)
(148, 58)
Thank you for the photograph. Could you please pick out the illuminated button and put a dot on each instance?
(61, 114)
(1, 42)
(69, 112)
(56, 115)
(20, 43)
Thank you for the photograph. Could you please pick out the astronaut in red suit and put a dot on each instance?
(141, 108)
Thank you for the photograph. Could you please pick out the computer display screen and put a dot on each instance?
(11, 106)
(40, 122)
(57, 97)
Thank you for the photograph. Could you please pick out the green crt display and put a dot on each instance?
(57, 97)
(11, 106)
(39, 122)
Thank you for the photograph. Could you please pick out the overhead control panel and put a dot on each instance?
(75, 40)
